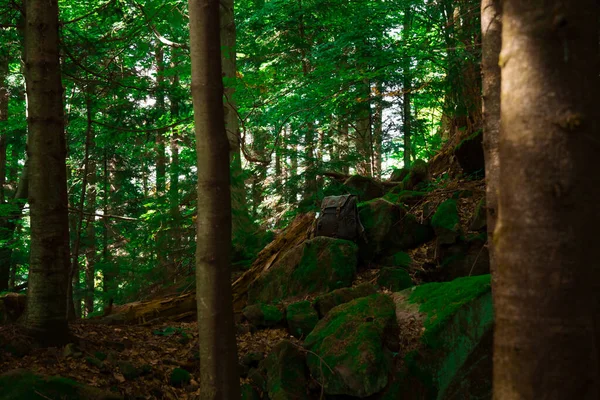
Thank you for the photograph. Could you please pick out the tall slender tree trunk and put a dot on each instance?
(363, 138)
(491, 28)
(46, 315)
(547, 330)
(219, 377)
(378, 133)
(407, 89)
(175, 169)
(161, 158)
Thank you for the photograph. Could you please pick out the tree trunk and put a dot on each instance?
(90, 247)
(46, 316)
(219, 376)
(176, 251)
(378, 133)
(363, 139)
(406, 90)
(547, 330)
(161, 158)
(491, 28)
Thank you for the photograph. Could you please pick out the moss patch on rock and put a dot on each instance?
(479, 218)
(180, 377)
(394, 279)
(301, 318)
(398, 175)
(389, 228)
(400, 196)
(286, 372)
(324, 303)
(458, 317)
(446, 222)
(315, 266)
(351, 348)
(263, 315)
(22, 384)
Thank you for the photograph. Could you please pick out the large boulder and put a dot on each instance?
(364, 187)
(286, 372)
(324, 303)
(301, 318)
(315, 266)
(452, 359)
(12, 306)
(446, 222)
(351, 349)
(22, 384)
(389, 228)
(400, 196)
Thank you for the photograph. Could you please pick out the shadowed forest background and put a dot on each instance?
(466, 129)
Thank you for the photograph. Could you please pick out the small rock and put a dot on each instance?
(180, 377)
(129, 371)
(394, 279)
(263, 315)
(328, 301)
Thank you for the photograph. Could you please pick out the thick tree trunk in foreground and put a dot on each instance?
(547, 342)
(46, 315)
(491, 29)
(219, 376)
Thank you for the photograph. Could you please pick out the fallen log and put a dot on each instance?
(177, 308)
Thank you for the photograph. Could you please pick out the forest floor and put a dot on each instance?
(137, 361)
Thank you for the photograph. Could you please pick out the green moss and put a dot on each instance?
(21, 384)
(440, 301)
(446, 216)
(180, 377)
(324, 303)
(352, 338)
(263, 315)
(249, 393)
(398, 195)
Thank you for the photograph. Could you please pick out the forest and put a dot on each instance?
(299, 199)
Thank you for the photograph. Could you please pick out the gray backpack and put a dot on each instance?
(339, 218)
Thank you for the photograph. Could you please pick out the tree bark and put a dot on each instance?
(219, 377)
(491, 28)
(407, 90)
(547, 330)
(363, 134)
(46, 316)
(161, 158)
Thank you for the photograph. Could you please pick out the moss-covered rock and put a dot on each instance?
(389, 228)
(286, 372)
(315, 266)
(179, 377)
(263, 315)
(324, 303)
(12, 306)
(479, 219)
(419, 172)
(394, 279)
(399, 174)
(400, 196)
(351, 348)
(446, 222)
(364, 187)
(22, 384)
(469, 154)
(453, 359)
(301, 318)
